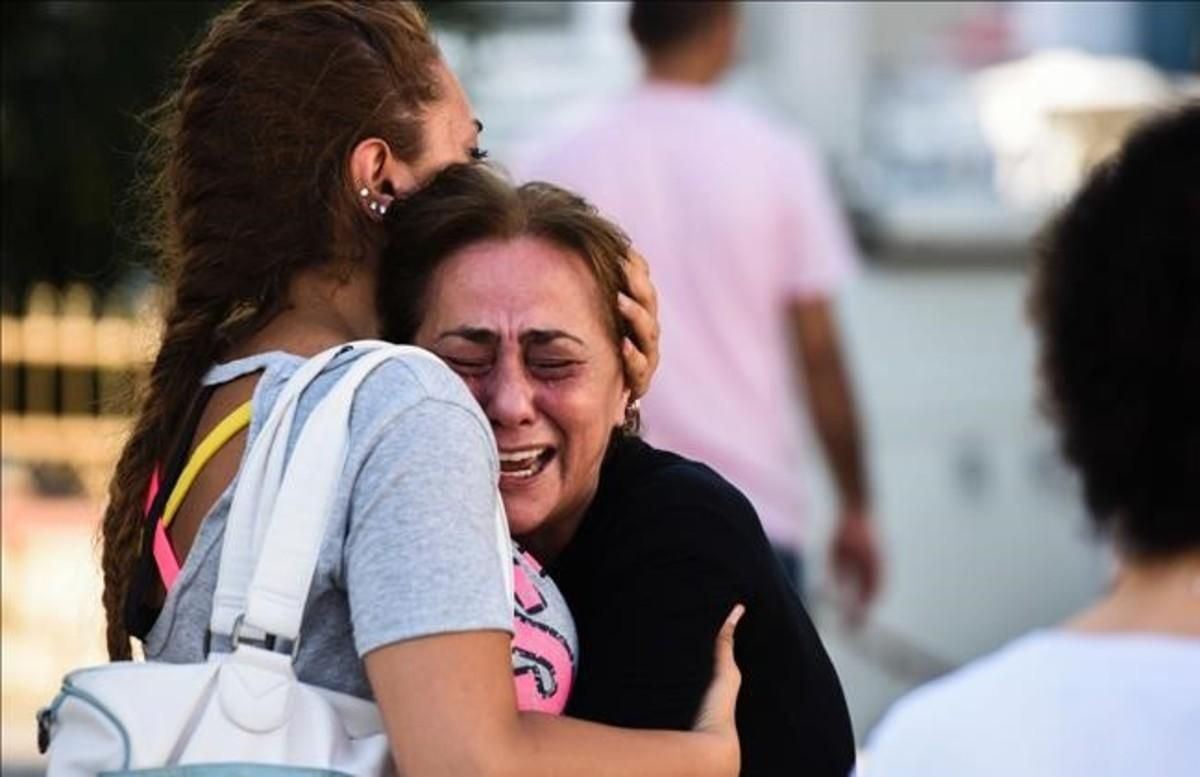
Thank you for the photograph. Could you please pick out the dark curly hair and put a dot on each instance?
(1116, 302)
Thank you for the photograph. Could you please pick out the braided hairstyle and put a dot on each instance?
(249, 185)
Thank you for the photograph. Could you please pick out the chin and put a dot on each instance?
(522, 520)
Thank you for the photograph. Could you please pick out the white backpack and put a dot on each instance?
(243, 712)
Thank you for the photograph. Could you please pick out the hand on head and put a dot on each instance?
(640, 349)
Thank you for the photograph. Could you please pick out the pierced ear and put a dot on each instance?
(378, 176)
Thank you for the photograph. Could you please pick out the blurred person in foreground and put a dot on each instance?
(1116, 689)
(516, 289)
(749, 250)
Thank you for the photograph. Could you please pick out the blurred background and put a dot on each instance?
(951, 129)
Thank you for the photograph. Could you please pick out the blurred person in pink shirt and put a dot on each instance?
(748, 249)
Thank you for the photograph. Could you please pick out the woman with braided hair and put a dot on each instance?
(296, 127)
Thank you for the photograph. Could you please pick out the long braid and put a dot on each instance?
(247, 190)
(188, 347)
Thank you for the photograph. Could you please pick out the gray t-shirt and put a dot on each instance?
(411, 548)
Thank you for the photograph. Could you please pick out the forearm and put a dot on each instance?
(535, 744)
(450, 711)
(550, 745)
(830, 399)
(835, 417)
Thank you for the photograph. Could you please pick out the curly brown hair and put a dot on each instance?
(1116, 302)
(250, 185)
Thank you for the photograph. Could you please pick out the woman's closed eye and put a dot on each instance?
(466, 365)
(551, 369)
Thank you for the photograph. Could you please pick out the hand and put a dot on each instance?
(640, 352)
(717, 711)
(857, 565)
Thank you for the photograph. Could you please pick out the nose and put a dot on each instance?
(508, 397)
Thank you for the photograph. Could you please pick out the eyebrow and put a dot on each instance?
(481, 336)
(471, 334)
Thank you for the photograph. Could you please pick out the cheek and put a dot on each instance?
(586, 416)
(613, 397)
(475, 385)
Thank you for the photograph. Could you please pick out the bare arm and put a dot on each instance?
(831, 398)
(831, 401)
(450, 709)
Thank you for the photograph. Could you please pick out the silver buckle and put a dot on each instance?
(268, 642)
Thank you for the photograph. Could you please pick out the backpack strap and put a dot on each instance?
(254, 495)
(297, 521)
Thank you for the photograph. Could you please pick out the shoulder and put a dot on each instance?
(409, 376)
(413, 373)
(412, 393)
(963, 707)
(652, 489)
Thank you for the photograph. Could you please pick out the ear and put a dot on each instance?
(373, 167)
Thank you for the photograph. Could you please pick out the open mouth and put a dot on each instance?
(525, 463)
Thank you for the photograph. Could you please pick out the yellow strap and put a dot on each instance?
(230, 425)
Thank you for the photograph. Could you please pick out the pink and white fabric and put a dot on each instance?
(737, 220)
(544, 642)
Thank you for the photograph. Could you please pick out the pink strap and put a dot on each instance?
(164, 555)
(152, 491)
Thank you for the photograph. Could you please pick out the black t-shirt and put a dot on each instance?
(666, 549)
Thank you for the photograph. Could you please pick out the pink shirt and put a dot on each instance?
(736, 219)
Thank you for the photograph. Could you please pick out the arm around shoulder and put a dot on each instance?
(426, 554)
(450, 710)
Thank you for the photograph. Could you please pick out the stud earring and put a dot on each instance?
(374, 205)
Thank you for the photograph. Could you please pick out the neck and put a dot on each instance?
(322, 310)
(547, 542)
(549, 539)
(1159, 596)
(685, 66)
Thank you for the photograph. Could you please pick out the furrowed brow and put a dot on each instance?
(471, 334)
(546, 336)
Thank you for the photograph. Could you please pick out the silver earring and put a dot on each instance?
(633, 418)
(375, 205)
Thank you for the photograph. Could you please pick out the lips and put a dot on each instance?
(524, 463)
